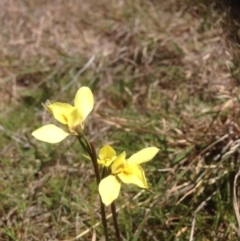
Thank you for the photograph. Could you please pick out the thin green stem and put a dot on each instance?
(104, 220)
(104, 172)
(90, 149)
(114, 214)
(95, 162)
(113, 209)
(103, 213)
(84, 143)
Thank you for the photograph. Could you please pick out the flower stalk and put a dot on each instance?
(113, 209)
(90, 149)
(114, 215)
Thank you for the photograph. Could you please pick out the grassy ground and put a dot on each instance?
(163, 73)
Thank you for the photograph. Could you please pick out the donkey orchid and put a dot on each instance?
(125, 171)
(71, 116)
(106, 156)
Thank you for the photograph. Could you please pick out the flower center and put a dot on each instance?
(126, 170)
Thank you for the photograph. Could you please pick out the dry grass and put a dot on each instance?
(164, 74)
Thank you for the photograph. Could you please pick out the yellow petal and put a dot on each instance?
(74, 119)
(144, 155)
(119, 163)
(109, 189)
(106, 152)
(84, 101)
(60, 111)
(133, 174)
(106, 155)
(50, 133)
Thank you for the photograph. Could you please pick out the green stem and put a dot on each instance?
(113, 209)
(114, 214)
(103, 213)
(85, 145)
(95, 162)
(90, 149)
(104, 172)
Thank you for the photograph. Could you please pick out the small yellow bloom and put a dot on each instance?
(106, 155)
(71, 116)
(127, 171)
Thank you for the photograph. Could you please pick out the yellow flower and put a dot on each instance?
(127, 171)
(71, 116)
(106, 155)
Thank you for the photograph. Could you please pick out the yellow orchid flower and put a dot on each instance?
(106, 155)
(125, 171)
(71, 116)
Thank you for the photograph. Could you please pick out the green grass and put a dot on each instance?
(161, 78)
